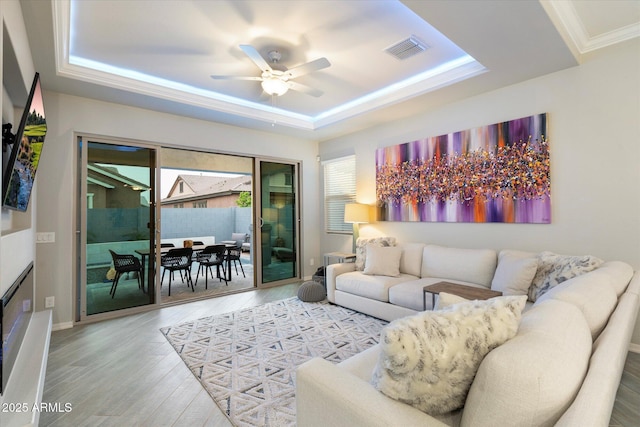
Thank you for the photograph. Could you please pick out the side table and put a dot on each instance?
(464, 291)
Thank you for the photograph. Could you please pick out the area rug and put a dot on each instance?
(246, 359)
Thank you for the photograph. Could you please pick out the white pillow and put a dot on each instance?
(361, 245)
(514, 273)
(382, 260)
(411, 259)
(447, 300)
(554, 269)
(429, 360)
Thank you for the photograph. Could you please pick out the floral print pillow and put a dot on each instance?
(554, 269)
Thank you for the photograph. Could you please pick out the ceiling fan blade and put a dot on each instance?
(307, 68)
(236, 78)
(255, 56)
(304, 89)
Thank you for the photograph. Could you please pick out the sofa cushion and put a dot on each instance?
(592, 293)
(533, 378)
(411, 260)
(410, 294)
(620, 274)
(469, 265)
(554, 269)
(429, 360)
(361, 244)
(382, 260)
(514, 273)
(373, 287)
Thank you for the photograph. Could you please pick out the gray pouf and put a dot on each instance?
(311, 292)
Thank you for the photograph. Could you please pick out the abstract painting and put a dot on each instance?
(494, 173)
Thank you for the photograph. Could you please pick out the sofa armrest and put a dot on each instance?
(327, 395)
(332, 271)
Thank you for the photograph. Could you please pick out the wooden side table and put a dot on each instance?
(464, 291)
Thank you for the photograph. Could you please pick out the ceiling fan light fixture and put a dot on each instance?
(274, 86)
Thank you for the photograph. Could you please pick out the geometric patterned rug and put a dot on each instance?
(246, 359)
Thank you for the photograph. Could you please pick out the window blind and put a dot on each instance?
(339, 189)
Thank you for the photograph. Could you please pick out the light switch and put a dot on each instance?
(48, 237)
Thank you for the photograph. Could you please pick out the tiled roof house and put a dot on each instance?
(197, 191)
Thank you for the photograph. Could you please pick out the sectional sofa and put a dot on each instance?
(562, 367)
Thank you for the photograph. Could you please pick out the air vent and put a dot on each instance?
(406, 48)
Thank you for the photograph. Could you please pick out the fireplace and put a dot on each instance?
(16, 308)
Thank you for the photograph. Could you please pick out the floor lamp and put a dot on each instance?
(356, 213)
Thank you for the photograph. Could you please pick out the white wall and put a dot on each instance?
(56, 175)
(594, 137)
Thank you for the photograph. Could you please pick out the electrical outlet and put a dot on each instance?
(49, 302)
(312, 261)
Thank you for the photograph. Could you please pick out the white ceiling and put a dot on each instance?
(161, 55)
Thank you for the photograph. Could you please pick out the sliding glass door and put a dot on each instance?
(207, 198)
(116, 226)
(136, 201)
(279, 222)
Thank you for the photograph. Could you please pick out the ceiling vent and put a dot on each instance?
(406, 48)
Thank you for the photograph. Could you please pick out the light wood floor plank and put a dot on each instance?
(123, 372)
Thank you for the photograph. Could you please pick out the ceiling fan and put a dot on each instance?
(277, 79)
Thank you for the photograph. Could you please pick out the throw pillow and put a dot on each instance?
(429, 360)
(361, 245)
(382, 260)
(514, 273)
(411, 259)
(445, 300)
(554, 269)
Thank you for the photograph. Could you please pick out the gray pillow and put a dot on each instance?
(554, 269)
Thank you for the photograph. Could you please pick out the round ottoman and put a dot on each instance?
(311, 292)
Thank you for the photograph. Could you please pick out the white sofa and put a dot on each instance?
(562, 368)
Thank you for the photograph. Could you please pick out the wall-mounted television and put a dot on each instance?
(26, 147)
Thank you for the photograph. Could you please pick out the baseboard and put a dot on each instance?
(61, 326)
(634, 348)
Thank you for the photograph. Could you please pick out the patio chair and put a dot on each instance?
(209, 257)
(233, 254)
(170, 245)
(178, 259)
(195, 253)
(240, 238)
(124, 263)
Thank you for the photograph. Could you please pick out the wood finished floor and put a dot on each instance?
(123, 372)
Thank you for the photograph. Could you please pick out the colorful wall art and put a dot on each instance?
(495, 173)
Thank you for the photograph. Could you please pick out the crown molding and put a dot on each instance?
(568, 22)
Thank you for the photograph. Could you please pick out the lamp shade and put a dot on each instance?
(356, 213)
